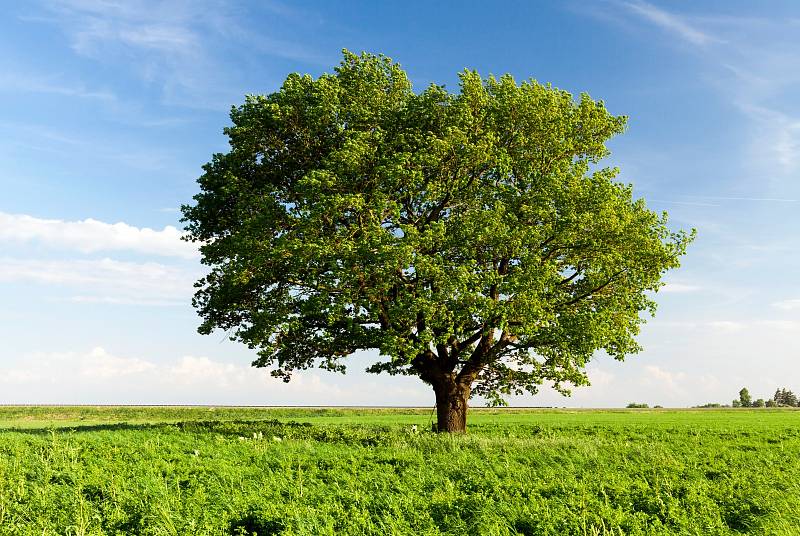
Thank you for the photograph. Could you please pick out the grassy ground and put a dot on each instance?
(338, 471)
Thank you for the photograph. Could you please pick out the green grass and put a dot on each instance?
(100, 470)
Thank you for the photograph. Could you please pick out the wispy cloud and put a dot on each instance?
(726, 325)
(670, 22)
(158, 26)
(180, 46)
(752, 63)
(684, 203)
(90, 235)
(779, 135)
(69, 144)
(788, 305)
(15, 81)
(791, 326)
(704, 200)
(755, 199)
(753, 326)
(679, 288)
(129, 300)
(104, 280)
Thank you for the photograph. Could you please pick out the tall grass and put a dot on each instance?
(256, 471)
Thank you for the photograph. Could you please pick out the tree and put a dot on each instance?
(771, 403)
(744, 398)
(759, 403)
(470, 237)
(736, 403)
(785, 397)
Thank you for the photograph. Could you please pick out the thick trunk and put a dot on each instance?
(451, 406)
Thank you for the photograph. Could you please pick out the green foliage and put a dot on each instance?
(637, 405)
(366, 473)
(759, 403)
(466, 235)
(785, 397)
(744, 398)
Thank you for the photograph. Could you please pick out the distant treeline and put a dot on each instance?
(783, 398)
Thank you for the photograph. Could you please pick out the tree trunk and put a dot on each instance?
(451, 406)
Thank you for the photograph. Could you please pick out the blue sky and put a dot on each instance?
(108, 109)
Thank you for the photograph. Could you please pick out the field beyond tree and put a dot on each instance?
(112, 470)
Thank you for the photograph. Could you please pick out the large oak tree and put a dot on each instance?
(470, 237)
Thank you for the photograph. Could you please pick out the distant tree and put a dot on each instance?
(744, 398)
(785, 397)
(470, 237)
(637, 405)
(771, 403)
(759, 403)
(736, 403)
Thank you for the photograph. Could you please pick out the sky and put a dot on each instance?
(108, 110)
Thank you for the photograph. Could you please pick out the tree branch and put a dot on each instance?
(590, 292)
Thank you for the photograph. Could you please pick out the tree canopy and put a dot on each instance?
(471, 237)
(744, 398)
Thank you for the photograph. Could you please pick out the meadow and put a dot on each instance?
(245, 471)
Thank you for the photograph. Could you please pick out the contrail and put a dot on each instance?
(772, 199)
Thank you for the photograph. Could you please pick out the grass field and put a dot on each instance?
(114, 470)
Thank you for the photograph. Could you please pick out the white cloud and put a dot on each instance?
(670, 22)
(52, 368)
(679, 288)
(154, 25)
(161, 43)
(89, 235)
(778, 138)
(780, 325)
(11, 81)
(753, 66)
(726, 325)
(660, 375)
(175, 44)
(100, 364)
(599, 376)
(117, 300)
(673, 388)
(105, 280)
(788, 305)
(191, 370)
(98, 376)
(615, 384)
(760, 327)
(755, 199)
(673, 324)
